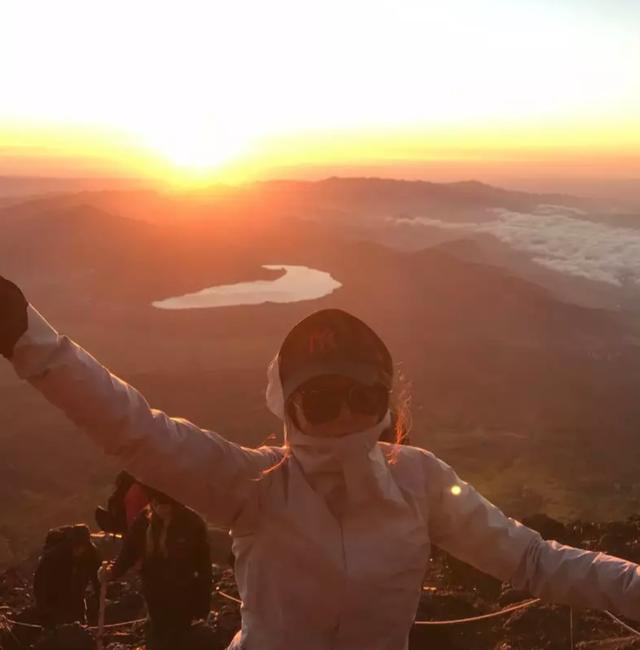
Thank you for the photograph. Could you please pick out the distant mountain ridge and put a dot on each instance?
(21, 186)
(472, 189)
(354, 193)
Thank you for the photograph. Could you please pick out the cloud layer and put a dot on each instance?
(562, 242)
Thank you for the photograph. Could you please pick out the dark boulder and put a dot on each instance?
(203, 637)
(510, 596)
(67, 637)
(130, 606)
(548, 624)
(464, 575)
(548, 528)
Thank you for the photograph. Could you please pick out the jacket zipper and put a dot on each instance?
(336, 628)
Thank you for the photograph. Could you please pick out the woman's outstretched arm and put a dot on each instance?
(465, 524)
(198, 467)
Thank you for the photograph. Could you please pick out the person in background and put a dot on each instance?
(169, 543)
(124, 505)
(68, 564)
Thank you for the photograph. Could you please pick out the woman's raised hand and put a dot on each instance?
(13, 316)
(105, 572)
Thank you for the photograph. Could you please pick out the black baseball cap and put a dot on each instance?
(333, 342)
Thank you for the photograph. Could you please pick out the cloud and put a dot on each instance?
(553, 209)
(564, 243)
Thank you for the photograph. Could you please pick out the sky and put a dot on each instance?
(190, 90)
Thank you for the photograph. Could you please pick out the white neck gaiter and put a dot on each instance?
(347, 471)
(342, 470)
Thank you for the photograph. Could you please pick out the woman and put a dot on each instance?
(169, 543)
(331, 532)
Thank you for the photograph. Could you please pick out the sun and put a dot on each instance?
(195, 149)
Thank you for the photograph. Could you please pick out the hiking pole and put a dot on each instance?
(101, 608)
(571, 627)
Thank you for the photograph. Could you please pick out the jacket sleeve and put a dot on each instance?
(197, 467)
(469, 527)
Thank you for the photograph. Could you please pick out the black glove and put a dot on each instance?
(13, 316)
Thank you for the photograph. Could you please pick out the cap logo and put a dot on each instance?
(322, 341)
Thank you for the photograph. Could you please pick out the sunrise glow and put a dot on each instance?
(234, 90)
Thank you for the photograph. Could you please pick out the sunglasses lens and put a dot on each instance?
(368, 400)
(321, 406)
(322, 403)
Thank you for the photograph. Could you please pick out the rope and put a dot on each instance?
(571, 627)
(123, 624)
(93, 627)
(622, 623)
(233, 599)
(457, 621)
(19, 624)
(506, 610)
(101, 612)
(482, 617)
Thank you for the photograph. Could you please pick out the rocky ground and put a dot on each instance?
(452, 590)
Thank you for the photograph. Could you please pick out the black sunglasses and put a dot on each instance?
(321, 404)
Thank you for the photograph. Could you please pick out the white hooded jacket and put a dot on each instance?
(311, 575)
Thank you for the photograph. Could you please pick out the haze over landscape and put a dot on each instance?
(463, 178)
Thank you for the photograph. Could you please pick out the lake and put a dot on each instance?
(297, 283)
